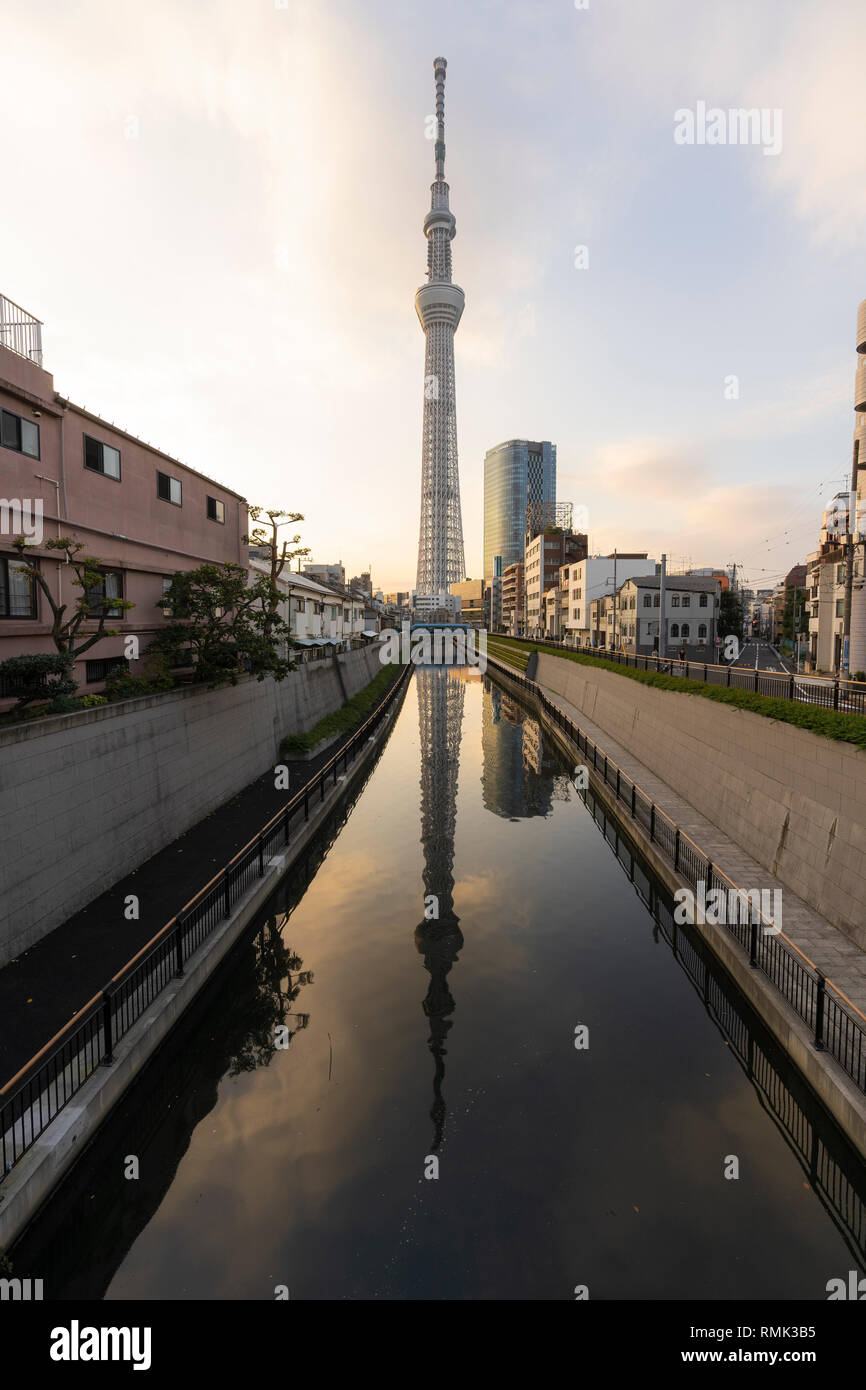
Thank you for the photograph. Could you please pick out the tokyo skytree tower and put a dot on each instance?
(439, 305)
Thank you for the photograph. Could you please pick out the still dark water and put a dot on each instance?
(413, 1038)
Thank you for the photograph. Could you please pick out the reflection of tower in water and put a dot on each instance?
(438, 938)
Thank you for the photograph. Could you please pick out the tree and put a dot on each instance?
(730, 615)
(222, 625)
(93, 603)
(265, 539)
(40, 676)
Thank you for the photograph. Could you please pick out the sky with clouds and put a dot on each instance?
(215, 206)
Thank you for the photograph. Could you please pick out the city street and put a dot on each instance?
(761, 655)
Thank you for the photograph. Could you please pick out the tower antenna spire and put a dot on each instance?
(439, 67)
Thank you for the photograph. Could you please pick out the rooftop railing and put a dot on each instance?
(20, 332)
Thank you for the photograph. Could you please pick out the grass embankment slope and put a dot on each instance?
(846, 728)
(343, 720)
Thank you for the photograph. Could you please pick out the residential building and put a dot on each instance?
(545, 555)
(326, 574)
(591, 578)
(826, 588)
(690, 619)
(140, 512)
(513, 599)
(554, 612)
(519, 475)
(435, 608)
(471, 595)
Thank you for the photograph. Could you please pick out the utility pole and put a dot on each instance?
(613, 644)
(850, 530)
(662, 627)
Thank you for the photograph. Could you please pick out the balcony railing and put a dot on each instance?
(20, 332)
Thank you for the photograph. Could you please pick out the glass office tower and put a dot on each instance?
(517, 474)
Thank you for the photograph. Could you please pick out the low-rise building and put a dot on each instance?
(322, 619)
(326, 574)
(554, 612)
(690, 621)
(512, 599)
(471, 595)
(591, 578)
(140, 512)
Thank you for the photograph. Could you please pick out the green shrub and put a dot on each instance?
(64, 704)
(156, 676)
(39, 676)
(343, 720)
(91, 701)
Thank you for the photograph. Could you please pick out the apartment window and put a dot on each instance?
(675, 600)
(655, 600)
(702, 601)
(687, 601)
(169, 489)
(685, 630)
(100, 596)
(702, 631)
(675, 629)
(98, 670)
(840, 608)
(647, 600)
(19, 434)
(215, 509)
(101, 458)
(17, 589)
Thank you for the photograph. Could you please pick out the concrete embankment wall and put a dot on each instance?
(39, 1171)
(85, 798)
(794, 800)
(837, 1091)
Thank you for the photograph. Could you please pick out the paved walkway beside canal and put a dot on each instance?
(47, 985)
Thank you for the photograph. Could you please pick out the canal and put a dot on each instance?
(380, 1095)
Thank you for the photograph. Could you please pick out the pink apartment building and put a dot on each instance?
(143, 514)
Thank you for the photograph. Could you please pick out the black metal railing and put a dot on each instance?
(40, 1090)
(837, 1025)
(829, 1163)
(827, 692)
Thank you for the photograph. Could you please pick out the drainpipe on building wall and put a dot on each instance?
(55, 484)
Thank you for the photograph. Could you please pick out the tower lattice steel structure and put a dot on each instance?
(439, 306)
